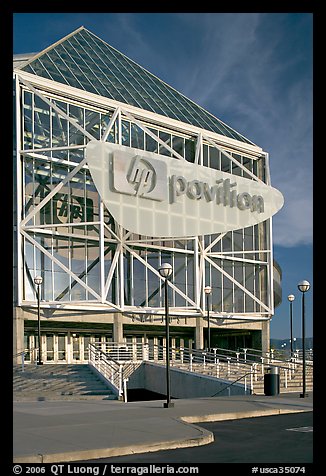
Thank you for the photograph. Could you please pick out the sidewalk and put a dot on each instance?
(62, 431)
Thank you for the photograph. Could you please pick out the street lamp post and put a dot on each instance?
(303, 286)
(208, 291)
(291, 299)
(165, 271)
(38, 281)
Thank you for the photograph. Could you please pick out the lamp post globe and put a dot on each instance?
(165, 271)
(38, 280)
(303, 287)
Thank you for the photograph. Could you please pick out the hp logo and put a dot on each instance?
(140, 176)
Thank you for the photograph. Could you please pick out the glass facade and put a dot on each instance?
(86, 62)
(68, 230)
(88, 262)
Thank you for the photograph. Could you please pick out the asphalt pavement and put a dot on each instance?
(282, 439)
(75, 430)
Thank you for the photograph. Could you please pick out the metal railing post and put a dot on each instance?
(255, 370)
(229, 365)
(125, 380)
(145, 351)
(272, 354)
(262, 365)
(172, 354)
(217, 368)
(268, 357)
(120, 381)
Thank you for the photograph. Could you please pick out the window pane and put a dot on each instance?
(137, 137)
(166, 138)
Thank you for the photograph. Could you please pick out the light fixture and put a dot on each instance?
(38, 281)
(303, 286)
(208, 291)
(165, 271)
(291, 298)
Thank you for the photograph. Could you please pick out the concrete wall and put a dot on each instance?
(18, 334)
(183, 384)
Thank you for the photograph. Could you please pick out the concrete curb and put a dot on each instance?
(204, 438)
(239, 415)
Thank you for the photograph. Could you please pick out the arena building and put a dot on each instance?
(116, 173)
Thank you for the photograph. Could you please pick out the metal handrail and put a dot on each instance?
(25, 351)
(139, 352)
(235, 381)
(212, 363)
(111, 369)
(178, 355)
(208, 357)
(256, 353)
(126, 365)
(19, 353)
(22, 354)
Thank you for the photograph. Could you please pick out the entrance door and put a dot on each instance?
(76, 347)
(62, 342)
(27, 347)
(49, 347)
(87, 340)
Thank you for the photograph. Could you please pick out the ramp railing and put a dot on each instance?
(109, 368)
(243, 364)
(119, 360)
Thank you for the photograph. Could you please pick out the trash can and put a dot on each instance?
(271, 381)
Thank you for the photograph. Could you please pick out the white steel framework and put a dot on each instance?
(51, 141)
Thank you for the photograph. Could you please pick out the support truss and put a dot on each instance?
(203, 256)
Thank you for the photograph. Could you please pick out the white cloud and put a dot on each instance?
(246, 77)
(293, 226)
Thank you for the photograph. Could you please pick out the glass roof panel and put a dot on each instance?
(84, 61)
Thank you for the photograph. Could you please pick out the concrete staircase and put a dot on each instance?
(289, 384)
(58, 382)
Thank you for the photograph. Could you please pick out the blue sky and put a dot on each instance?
(252, 71)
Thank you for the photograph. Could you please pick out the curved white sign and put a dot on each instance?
(155, 195)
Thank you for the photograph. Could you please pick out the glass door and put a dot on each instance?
(76, 347)
(87, 339)
(62, 347)
(27, 347)
(49, 347)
